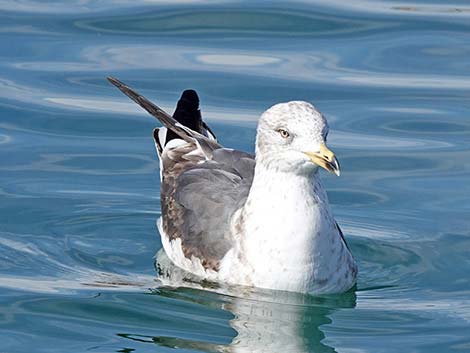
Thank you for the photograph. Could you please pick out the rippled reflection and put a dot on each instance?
(264, 321)
(290, 323)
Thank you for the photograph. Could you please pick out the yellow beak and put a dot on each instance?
(325, 159)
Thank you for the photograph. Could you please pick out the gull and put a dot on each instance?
(259, 221)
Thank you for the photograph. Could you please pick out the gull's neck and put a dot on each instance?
(288, 200)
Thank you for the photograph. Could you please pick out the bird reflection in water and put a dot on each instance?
(284, 322)
(264, 320)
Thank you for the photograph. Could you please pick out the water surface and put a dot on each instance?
(79, 181)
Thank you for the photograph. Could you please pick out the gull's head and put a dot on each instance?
(292, 137)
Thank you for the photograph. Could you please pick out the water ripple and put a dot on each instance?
(79, 179)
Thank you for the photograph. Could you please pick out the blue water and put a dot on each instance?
(79, 191)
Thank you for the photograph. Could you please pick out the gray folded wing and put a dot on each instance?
(199, 198)
(202, 186)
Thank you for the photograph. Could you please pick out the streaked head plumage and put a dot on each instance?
(289, 134)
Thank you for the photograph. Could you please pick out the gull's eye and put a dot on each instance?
(284, 133)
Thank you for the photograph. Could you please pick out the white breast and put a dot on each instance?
(290, 240)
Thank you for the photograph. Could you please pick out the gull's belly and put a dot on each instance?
(300, 251)
(275, 250)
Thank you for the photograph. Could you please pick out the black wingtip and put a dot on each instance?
(187, 110)
(189, 99)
